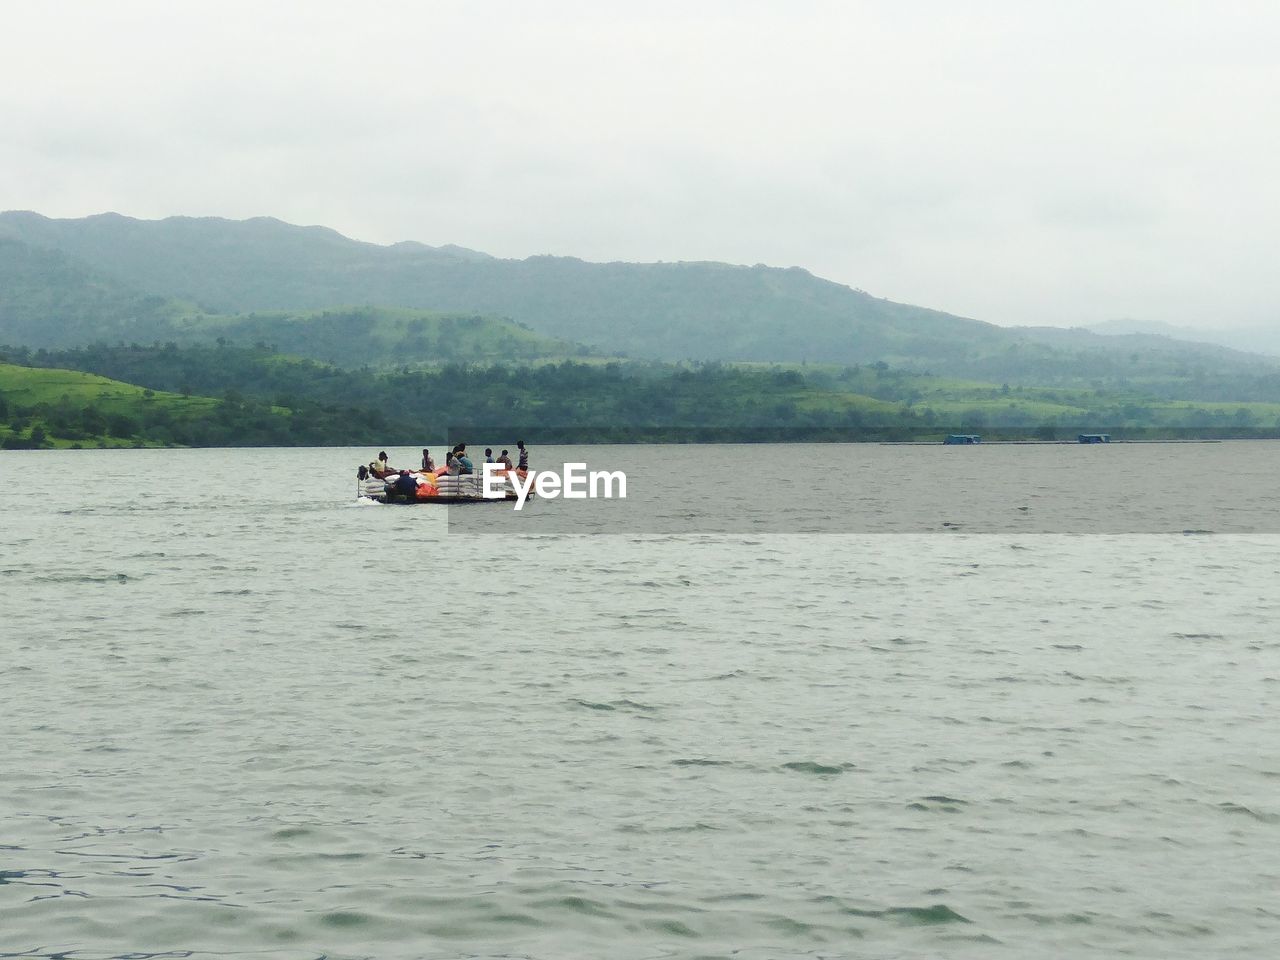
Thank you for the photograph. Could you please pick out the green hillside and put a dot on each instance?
(271, 398)
(322, 404)
(229, 266)
(265, 281)
(70, 406)
(381, 336)
(48, 298)
(657, 310)
(28, 387)
(48, 406)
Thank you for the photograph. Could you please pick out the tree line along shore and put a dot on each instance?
(164, 394)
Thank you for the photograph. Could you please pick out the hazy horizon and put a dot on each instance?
(1021, 166)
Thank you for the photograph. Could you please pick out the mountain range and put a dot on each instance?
(1258, 339)
(313, 291)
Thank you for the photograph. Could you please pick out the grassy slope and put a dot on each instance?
(29, 387)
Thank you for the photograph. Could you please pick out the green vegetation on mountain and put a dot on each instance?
(52, 407)
(244, 315)
(41, 406)
(383, 337)
(664, 310)
(670, 311)
(263, 397)
(567, 400)
(48, 298)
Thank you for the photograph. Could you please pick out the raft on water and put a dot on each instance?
(410, 487)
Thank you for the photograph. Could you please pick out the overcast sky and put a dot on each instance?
(1019, 162)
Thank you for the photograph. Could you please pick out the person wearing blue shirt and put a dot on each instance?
(464, 462)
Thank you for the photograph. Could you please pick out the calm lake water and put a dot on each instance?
(770, 714)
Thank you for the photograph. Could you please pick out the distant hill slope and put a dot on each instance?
(47, 405)
(658, 310)
(1264, 340)
(50, 299)
(29, 386)
(232, 266)
(665, 311)
(76, 406)
(384, 336)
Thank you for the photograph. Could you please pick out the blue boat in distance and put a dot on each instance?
(1094, 438)
(962, 438)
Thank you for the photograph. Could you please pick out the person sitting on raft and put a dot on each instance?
(460, 456)
(380, 468)
(505, 460)
(404, 484)
(428, 465)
